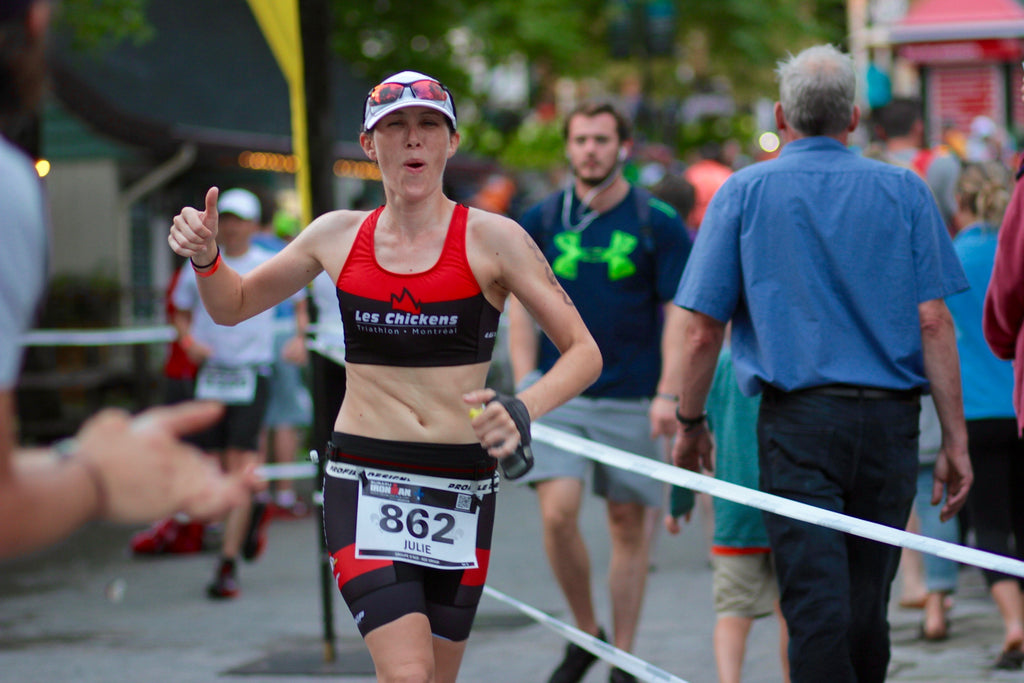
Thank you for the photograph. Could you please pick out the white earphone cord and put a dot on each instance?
(585, 200)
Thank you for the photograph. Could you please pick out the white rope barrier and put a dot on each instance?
(782, 506)
(739, 494)
(152, 334)
(84, 337)
(627, 662)
(288, 470)
(610, 456)
(327, 350)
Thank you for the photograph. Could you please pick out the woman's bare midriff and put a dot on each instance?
(410, 404)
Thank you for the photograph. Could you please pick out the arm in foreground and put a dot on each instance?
(121, 469)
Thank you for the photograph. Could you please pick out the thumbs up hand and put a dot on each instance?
(194, 233)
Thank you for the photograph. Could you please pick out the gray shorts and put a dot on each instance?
(289, 404)
(619, 423)
(744, 585)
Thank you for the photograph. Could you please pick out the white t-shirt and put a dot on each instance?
(23, 256)
(330, 332)
(250, 342)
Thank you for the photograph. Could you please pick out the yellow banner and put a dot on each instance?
(279, 21)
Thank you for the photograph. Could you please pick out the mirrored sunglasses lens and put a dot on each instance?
(429, 90)
(386, 93)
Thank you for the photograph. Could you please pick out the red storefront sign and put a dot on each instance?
(961, 93)
(961, 51)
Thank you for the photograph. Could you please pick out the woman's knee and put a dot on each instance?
(407, 672)
(402, 650)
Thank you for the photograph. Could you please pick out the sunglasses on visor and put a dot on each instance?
(386, 93)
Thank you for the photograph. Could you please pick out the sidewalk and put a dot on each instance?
(976, 636)
(60, 621)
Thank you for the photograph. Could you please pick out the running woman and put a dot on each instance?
(410, 489)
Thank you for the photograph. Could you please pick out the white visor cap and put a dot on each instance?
(408, 98)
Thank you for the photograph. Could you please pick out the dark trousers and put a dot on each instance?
(858, 457)
(996, 500)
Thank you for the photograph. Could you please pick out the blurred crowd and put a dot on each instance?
(970, 174)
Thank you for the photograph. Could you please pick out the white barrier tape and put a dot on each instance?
(288, 470)
(327, 350)
(627, 662)
(155, 334)
(776, 504)
(134, 335)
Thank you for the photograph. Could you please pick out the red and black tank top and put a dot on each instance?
(439, 317)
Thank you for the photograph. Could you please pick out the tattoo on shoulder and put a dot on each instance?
(534, 249)
(565, 296)
(548, 273)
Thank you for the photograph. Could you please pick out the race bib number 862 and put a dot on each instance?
(412, 523)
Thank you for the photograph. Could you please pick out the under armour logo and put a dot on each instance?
(616, 255)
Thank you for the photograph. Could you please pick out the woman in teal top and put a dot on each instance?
(996, 501)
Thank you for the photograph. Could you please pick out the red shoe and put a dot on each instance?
(256, 536)
(188, 540)
(156, 539)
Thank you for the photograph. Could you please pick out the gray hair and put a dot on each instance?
(817, 89)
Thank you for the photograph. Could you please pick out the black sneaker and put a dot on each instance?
(575, 663)
(256, 535)
(620, 676)
(224, 584)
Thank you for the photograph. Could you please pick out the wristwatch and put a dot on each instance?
(690, 423)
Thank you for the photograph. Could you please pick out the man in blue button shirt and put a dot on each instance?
(833, 269)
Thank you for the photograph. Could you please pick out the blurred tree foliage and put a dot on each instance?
(446, 38)
(730, 45)
(736, 42)
(570, 39)
(746, 39)
(96, 24)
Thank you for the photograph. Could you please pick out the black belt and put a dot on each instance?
(869, 393)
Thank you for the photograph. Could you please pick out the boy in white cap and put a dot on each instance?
(234, 368)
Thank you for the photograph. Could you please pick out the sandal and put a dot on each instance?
(1010, 660)
(938, 636)
(912, 603)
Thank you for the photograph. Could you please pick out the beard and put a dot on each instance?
(593, 180)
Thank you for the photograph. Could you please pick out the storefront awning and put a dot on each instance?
(958, 20)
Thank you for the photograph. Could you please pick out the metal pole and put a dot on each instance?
(314, 26)
(328, 379)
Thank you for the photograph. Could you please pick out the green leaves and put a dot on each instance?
(727, 47)
(99, 24)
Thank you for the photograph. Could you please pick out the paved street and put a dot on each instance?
(64, 617)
